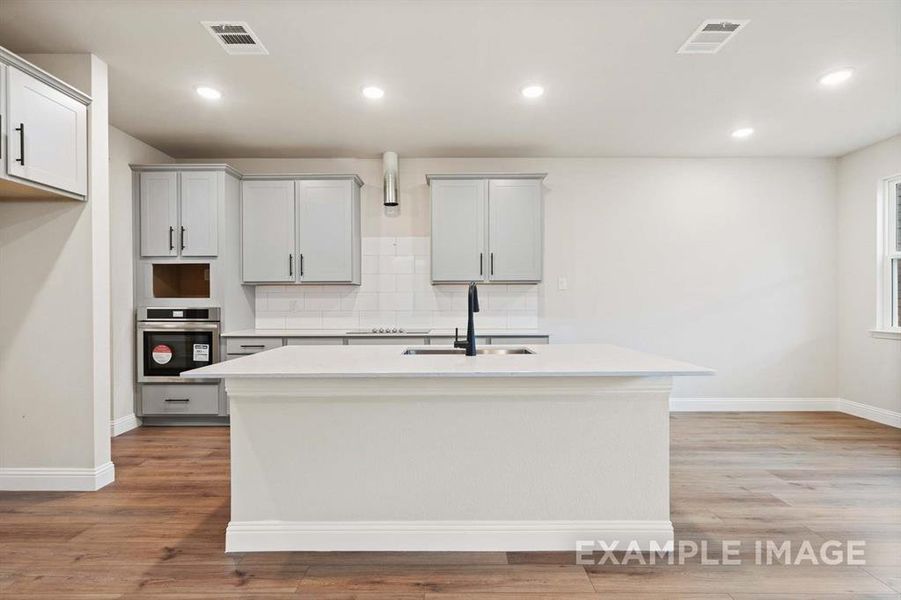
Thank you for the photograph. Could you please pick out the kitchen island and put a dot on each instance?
(369, 448)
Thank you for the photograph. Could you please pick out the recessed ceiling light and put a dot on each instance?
(743, 132)
(373, 92)
(836, 77)
(532, 91)
(208, 92)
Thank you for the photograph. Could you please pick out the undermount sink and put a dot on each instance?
(462, 351)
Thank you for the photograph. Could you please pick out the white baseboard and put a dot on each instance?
(857, 409)
(123, 424)
(752, 404)
(446, 536)
(871, 413)
(16, 479)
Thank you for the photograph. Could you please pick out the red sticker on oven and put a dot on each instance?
(162, 354)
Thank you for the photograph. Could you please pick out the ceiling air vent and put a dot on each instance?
(711, 36)
(235, 36)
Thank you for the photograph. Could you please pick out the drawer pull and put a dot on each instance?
(178, 399)
(253, 345)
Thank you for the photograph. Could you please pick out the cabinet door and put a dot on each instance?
(325, 216)
(514, 230)
(4, 121)
(159, 214)
(199, 231)
(267, 224)
(458, 230)
(49, 134)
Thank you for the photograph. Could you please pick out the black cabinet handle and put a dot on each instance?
(21, 130)
(290, 265)
(253, 345)
(481, 263)
(182, 238)
(492, 263)
(301, 265)
(171, 231)
(178, 399)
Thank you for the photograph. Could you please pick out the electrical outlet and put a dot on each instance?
(562, 283)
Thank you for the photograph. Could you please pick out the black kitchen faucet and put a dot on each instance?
(470, 342)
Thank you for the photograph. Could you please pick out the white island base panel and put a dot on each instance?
(448, 464)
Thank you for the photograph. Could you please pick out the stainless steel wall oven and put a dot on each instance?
(172, 340)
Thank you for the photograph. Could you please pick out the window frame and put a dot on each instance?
(888, 323)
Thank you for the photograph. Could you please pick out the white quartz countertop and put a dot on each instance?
(553, 360)
(285, 333)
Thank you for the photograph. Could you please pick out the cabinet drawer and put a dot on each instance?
(314, 341)
(251, 345)
(181, 399)
(386, 341)
(512, 340)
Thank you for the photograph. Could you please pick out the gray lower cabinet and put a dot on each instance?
(235, 347)
(242, 346)
(180, 399)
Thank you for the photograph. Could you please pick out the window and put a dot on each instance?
(889, 301)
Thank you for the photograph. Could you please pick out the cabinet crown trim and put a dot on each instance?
(40, 74)
(430, 176)
(139, 168)
(303, 176)
(164, 167)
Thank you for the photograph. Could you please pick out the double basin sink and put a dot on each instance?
(462, 351)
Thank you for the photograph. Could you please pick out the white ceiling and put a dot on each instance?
(452, 72)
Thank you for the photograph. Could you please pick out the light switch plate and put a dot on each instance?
(562, 283)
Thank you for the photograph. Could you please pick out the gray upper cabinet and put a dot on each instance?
(46, 133)
(328, 231)
(199, 229)
(180, 213)
(487, 228)
(268, 232)
(458, 230)
(159, 213)
(514, 230)
(301, 231)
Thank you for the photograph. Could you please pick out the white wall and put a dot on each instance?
(124, 150)
(54, 318)
(869, 368)
(724, 262)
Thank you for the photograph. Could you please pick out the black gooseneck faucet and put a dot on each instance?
(470, 342)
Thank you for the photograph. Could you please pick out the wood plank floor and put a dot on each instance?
(158, 531)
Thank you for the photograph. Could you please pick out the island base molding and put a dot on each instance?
(444, 536)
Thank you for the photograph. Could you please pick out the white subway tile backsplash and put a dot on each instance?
(340, 319)
(370, 246)
(369, 264)
(386, 246)
(309, 319)
(378, 318)
(403, 246)
(385, 282)
(395, 291)
(403, 282)
(322, 301)
(402, 264)
(420, 246)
